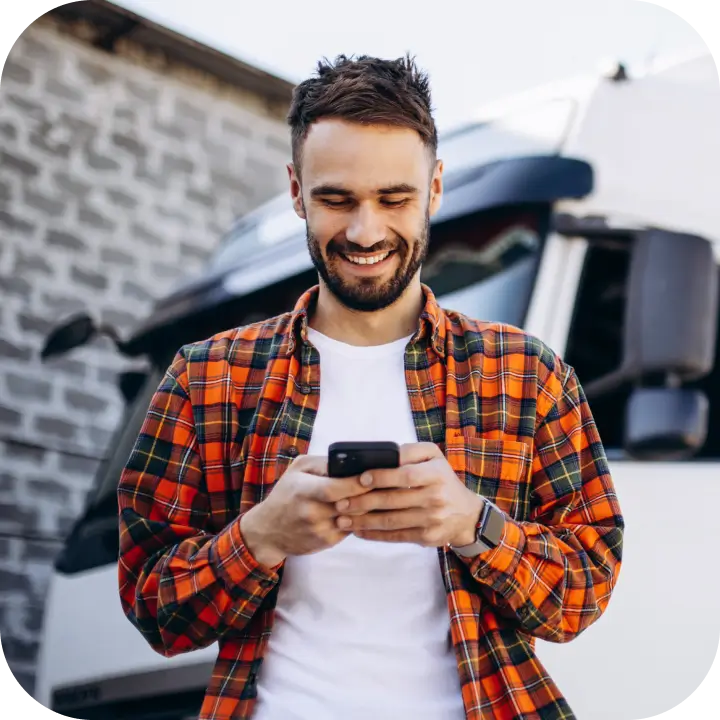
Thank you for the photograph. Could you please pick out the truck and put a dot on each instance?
(586, 213)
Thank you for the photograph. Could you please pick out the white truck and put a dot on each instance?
(587, 213)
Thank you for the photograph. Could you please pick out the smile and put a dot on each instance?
(367, 259)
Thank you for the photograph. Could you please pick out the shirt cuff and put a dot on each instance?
(496, 567)
(237, 568)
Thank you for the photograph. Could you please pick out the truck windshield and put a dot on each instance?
(483, 266)
(535, 128)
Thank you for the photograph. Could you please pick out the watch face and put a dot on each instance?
(494, 526)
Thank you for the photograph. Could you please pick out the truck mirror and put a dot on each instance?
(672, 305)
(670, 323)
(72, 334)
(665, 423)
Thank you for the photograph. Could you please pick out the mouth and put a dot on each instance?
(368, 263)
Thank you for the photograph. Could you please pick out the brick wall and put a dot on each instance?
(117, 176)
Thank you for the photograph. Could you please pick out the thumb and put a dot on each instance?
(311, 464)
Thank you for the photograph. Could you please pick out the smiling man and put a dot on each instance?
(409, 593)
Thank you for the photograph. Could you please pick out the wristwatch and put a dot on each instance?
(489, 532)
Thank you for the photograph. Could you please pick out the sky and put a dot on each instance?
(476, 52)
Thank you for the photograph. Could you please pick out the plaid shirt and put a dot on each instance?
(233, 411)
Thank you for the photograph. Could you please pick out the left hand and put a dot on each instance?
(422, 501)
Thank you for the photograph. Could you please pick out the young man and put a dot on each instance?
(408, 593)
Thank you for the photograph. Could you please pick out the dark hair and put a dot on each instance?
(365, 90)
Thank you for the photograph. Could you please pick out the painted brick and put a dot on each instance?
(117, 181)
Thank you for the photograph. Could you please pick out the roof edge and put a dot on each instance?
(114, 22)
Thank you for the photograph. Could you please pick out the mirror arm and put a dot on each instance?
(607, 383)
(617, 378)
(110, 332)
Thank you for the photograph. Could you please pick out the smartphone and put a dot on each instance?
(346, 459)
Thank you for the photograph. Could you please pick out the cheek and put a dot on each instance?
(325, 228)
(411, 234)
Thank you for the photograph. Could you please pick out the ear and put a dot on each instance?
(296, 191)
(436, 188)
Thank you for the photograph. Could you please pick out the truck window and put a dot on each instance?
(594, 346)
(484, 266)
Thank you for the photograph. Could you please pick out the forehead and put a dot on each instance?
(363, 157)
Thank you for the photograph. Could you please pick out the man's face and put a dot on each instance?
(367, 195)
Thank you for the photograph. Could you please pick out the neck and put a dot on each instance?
(354, 327)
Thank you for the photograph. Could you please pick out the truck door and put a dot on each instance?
(659, 635)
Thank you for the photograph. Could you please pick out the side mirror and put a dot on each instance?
(74, 333)
(672, 306)
(669, 339)
(665, 423)
(670, 323)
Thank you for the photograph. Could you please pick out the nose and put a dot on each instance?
(366, 227)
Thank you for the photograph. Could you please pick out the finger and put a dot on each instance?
(412, 453)
(408, 476)
(384, 500)
(391, 520)
(330, 532)
(313, 511)
(311, 464)
(330, 490)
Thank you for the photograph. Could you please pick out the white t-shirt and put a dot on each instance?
(362, 630)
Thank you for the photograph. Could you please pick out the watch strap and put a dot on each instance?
(480, 545)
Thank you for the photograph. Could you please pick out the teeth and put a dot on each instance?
(365, 260)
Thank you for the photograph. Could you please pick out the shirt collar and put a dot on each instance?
(430, 324)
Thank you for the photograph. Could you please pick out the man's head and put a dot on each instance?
(365, 175)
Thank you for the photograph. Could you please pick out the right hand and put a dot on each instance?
(299, 515)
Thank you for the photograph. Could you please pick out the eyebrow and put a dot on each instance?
(399, 189)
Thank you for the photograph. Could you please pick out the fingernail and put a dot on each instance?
(344, 523)
(343, 504)
(366, 479)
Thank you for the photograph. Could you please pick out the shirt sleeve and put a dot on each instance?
(181, 585)
(554, 574)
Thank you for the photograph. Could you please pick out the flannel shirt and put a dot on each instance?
(234, 410)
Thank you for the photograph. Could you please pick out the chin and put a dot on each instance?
(365, 297)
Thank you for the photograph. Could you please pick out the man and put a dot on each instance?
(408, 593)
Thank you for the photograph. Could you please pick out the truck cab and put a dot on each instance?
(583, 213)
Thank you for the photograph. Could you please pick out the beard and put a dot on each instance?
(369, 294)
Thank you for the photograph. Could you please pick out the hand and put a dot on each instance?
(421, 502)
(298, 517)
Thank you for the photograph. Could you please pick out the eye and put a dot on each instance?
(335, 203)
(394, 203)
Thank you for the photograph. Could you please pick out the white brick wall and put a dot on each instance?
(116, 180)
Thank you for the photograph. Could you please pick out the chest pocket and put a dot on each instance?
(499, 470)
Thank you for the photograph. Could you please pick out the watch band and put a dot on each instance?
(487, 534)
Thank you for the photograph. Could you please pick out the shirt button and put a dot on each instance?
(305, 389)
(484, 571)
(292, 451)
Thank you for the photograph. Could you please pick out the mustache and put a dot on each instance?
(349, 248)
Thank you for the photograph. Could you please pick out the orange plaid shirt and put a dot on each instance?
(513, 422)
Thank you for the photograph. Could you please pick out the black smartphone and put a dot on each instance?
(346, 459)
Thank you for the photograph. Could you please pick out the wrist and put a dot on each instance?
(253, 529)
(468, 535)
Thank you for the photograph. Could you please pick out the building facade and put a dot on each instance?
(126, 150)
